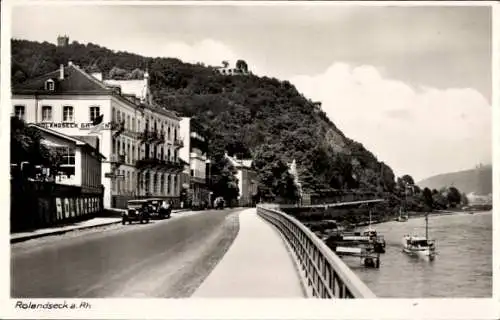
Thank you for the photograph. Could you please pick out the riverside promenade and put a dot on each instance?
(257, 265)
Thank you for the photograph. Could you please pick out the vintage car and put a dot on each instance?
(137, 210)
(156, 210)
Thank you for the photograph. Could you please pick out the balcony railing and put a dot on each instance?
(157, 164)
(117, 128)
(155, 137)
(324, 273)
(178, 143)
(117, 159)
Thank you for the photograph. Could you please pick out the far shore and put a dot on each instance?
(415, 214)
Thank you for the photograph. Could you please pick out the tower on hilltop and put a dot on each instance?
(62, 41)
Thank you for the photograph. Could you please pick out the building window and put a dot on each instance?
(168, 133)
(129, 155)
(127, 124)
(168, 154)
(94, 113)
(19, 112)
(133, 125)
(162, 183)
(68, 114)
(175, 185)
(192, 173)
(129, 184)
(113, 115)
(50, 85)
(46, 113)
(168, 184)
(67, 166)
(155, 183)
(146, 182)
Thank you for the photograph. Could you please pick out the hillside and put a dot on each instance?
(475, 180)
(240, 114)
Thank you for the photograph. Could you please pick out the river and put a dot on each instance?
(462, 269)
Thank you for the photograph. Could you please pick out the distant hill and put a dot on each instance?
(477, 180)
(238, 113)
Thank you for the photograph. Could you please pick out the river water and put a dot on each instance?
(462, 269)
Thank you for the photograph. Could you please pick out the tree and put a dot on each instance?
(26, 147)
(408, 180)
(439, 201)
(427, 198)
(275, 180)
(225, 63)
(136, 74)
(454, 197)
(117, 73)
(242, 66)
(223, 180)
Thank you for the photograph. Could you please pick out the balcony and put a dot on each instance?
(178, 143)
(160, 165)
(117, 159)
(154, 137)
(117, 128)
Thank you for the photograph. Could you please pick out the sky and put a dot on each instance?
(413, 84)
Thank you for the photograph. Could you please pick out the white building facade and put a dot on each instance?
(247, 180)
(139, 140)
(194, 152)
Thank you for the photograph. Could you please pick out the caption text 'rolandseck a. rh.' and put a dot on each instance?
(51, 305)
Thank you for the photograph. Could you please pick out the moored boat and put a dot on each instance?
(419, 246)
(371, 233)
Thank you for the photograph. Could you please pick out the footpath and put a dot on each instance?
(257, 265)
(82, 225)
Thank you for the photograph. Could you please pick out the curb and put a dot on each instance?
(59, 232)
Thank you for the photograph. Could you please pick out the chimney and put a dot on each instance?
(61, 72)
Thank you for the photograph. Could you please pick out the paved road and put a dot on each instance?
(168, 259)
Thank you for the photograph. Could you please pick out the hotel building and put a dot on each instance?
(140, 141)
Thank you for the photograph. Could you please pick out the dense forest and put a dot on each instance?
(244, 115)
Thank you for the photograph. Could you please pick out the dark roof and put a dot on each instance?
(75, 81)
(93, 141)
